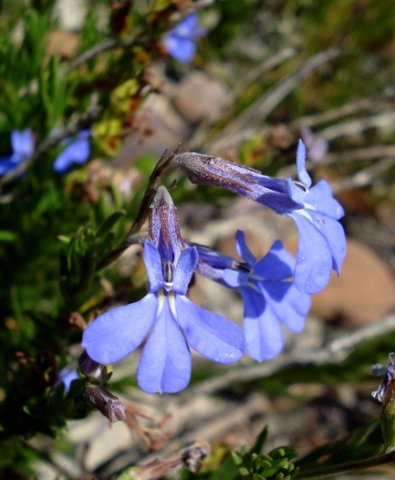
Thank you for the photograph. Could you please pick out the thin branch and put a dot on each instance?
(350, 108)
(198, 139)
(106, 45)
(259, 70)
(382, 120)
(334, 352)
(324, 472)
(347, 156)
(91, 114)
(364, 177)
(260, 109)
(154, 182)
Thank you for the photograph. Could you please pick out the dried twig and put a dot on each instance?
(261, 108)
(154, 182)
(106, 45)
(198, 139)
(371, 104)
(353, 127)
(272, 62)
(366, 153)
(334, 352)
(363, 177)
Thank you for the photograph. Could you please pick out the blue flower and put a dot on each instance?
(384, 392)
(66, 377)
(77, 151)
(322, 244)
(165, 318)
(181, 41)
(269, 296)
(22, 144)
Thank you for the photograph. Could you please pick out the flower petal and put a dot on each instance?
(262, 329)
(184, 270)
(277, 264)
(291, 308)
(22, 142)
(303, 176)
(213, 336)
(153, 264)
(165, 363)
(119, 331)
(320, 238)
(242, 249)
(76, 152)
(180, 48)
(319, 198)
(333, 233)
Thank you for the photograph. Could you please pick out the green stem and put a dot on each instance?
(348, 466)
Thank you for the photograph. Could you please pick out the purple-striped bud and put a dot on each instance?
(164, 227)
(206, 170)
(386, 395)
(107, 403)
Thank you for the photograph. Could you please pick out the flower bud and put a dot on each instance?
(386, 395)
(164, 227)
(107, 403)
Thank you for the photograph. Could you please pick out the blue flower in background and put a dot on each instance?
(322, 243)
(164, 317)
(22, 144)
(269, 296)
(67, 376)
(77, 152)
(181, 41)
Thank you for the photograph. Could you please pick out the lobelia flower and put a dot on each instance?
(22, 144)
(165, 318)
(322, 243)
(67, 376)
(385, 394)
(387, 386)
(269, 296)
(181, 40)
(77, 151)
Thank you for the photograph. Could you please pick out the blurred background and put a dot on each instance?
(102, 76)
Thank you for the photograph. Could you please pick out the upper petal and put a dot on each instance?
(213, 336)
(119, 331)
(184, 270)
(319, 198)
(276, 264)
(165, 363)
(303, 176)
(153, 264)
(242, 249)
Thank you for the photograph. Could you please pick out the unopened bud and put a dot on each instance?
(206, 170)
(92, 369)
(107, 403)
(386, 395)
(164, 227)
